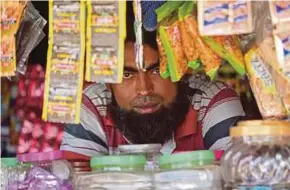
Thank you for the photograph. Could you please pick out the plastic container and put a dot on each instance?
(150, 151)
(12, 172)
(52, 162)
(122, 172)
(188, 170)
(118, 163)
(259, 156)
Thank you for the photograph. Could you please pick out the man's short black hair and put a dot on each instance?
(148, 37)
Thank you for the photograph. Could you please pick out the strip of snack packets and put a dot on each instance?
(10, 17)
(224, 17)
(188, 42)
(170, 37)
(65, 62)
(263, 85)
(106, 33)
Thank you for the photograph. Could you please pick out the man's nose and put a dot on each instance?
(144, 85)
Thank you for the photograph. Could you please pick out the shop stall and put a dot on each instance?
(242, 43)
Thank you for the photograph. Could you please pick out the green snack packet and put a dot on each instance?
(171, 39)
(229, 52)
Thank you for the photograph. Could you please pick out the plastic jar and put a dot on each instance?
(188, 170)
(122, 172)
(259, 156)
(12, 173)
(150, 151)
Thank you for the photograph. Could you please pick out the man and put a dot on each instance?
(192, 114)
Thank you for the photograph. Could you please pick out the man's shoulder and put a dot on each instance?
(99, 95)
(207, 94)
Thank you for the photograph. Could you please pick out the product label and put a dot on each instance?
(261, 71)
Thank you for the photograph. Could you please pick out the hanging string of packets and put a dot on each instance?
(139, 34)
(102, 35)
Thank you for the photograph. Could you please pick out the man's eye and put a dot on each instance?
(156, 71)
(127, 75)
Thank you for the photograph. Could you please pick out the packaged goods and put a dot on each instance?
(65, 62)
(106, 33)
(210, 60)
(280, 11)
(11, 14)
(259, 156)
(188, 43)
(224, 17)
(170, 37)
(163, 68)
(52, 161)
(228, 48)
(263, 86)
(11, 173)
(188, 170)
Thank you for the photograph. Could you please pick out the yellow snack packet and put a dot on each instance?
(106, 33)
(65, 62)
(263, 86)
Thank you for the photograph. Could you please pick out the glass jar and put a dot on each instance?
(150, 151)
(122, 172)
(259, 156)
(188, 170)
(52, 161)
(12, 173)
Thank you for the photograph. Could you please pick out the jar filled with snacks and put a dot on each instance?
(122, 172)
(188, 170)
(150, 151)
(259, 156)
(12, 173)
(49, 169)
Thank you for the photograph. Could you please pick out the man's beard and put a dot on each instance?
(157, 127)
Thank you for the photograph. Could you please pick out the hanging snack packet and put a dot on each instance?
(282, 43)
(280, 11)
(188, 43)
(263, 86)
(228, 48)
(163, 68)
(210, 60)
(171, 39)
(281, 76)
(10, 16)
(224, 17)
(65, 62)
(106, 33)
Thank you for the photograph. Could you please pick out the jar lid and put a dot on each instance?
(261, 128)
(9, 161)
(41, 156)
(199, 156)
(117, 160)
(140, 148)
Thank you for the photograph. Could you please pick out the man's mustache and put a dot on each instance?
(146, 100)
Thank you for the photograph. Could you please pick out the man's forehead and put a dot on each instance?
(151, 56)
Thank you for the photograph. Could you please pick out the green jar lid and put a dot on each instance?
(117, 160)
(198, 157)
(9, 161)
